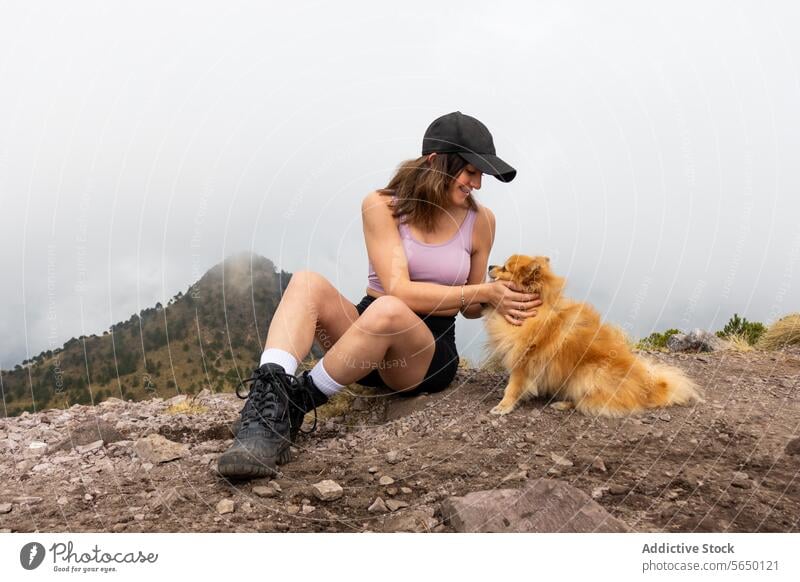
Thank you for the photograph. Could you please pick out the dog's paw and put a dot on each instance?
(562, 406)
(502, 408)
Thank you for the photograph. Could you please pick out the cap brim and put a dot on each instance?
(492, 165)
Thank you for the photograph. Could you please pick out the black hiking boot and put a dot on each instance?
(269, 422)
(305, 399)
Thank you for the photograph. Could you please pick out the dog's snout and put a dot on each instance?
(492, 267)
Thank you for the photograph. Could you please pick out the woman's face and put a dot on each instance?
(468, 180)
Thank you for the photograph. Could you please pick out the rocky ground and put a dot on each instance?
(728, 464)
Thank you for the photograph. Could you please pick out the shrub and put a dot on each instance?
(737, 326)
(657, 341)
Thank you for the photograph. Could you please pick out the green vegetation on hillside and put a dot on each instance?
(198, 340)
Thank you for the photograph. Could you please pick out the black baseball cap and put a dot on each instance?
(456, 133)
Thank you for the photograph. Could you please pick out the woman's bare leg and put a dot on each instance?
(310, 307)
(388, 335)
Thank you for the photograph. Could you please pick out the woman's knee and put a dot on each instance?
(309, 282)
(385, 315)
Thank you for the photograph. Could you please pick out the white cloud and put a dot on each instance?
(655, 146)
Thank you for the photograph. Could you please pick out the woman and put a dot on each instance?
(428, 243)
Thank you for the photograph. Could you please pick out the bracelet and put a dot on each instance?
(463, 303)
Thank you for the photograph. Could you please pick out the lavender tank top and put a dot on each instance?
(445, 263)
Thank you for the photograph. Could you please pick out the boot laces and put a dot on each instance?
(267, 398)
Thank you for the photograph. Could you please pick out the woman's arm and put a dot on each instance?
(388, 257)
(483, 240)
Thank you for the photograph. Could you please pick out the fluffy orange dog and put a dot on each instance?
(565, 352)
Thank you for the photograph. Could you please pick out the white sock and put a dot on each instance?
(276, 356)
(327, 385)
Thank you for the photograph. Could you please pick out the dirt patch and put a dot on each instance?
(721, 465)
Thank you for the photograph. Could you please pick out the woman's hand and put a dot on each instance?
(510, 300)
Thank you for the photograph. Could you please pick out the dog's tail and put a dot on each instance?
(671, 386)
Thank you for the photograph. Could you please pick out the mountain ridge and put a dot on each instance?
(205, 337)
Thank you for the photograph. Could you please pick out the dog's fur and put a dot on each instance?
(566, 353)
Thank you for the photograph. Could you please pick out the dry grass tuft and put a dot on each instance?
(784, 332)
(340, 403)
(188, 406)
(738, 343)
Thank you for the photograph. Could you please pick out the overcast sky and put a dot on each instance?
(141, 143)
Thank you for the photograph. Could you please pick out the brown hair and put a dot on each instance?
(421, 188)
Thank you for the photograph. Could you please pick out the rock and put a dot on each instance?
(225, 506)
(392, 457)
(741, 480)
(385, 480)
(515, 476)
(87, 433)
(697, 340)
(413, 521)
(27, 500)
(327, 490)
(793, 447)
(618, 489)
(598, 492)
(373, 470)
(599, 465)
(406, 490)
(544, 506)
(378, 506)
(9, 444)
(292, 509)
(262, 491)
(155, 449)
(175, 400)
(559, 460)
(395, 504)
(306, 509)
(91, 447)
(5, 508)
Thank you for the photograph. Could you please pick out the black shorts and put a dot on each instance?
(444, 364)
